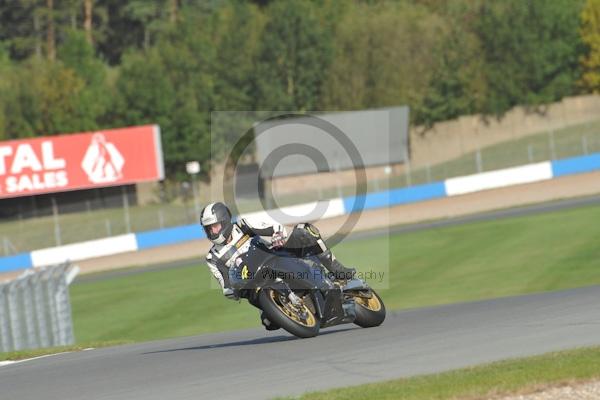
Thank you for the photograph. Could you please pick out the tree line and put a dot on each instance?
(79, 65)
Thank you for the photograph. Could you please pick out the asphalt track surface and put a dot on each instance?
(255, 364)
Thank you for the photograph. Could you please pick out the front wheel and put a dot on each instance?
(298, 320)
(369, 311)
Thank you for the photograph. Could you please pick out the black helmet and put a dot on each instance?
(215, 213)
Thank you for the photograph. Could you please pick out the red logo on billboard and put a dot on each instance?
(80, 161)
(102, 161)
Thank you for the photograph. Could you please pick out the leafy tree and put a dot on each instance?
(458, 84)
(17, 110)
(531, 50)
(384, 55)
(152, 16)
(238, 28)
(40, 98)
(294, 56)
(172, 62)
(590, 35)
(171, 84)
(21, 27)
(146, 95)
(94, 99)
(48, 97)
(5, 86)
(188, 55)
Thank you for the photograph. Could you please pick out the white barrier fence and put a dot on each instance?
(35, 309)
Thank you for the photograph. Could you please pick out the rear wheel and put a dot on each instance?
(369, 311)
(298, 320)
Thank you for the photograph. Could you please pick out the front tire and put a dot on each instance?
(280, 311)
(369, 312)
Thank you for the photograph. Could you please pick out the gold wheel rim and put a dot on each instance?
(372, 304)
(310, 322)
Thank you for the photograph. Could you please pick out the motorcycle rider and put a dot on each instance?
(231, 239)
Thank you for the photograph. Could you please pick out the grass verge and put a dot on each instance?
(25, 354)
(518, 376)
(544, 252)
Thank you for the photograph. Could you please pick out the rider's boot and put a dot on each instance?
(270, 326)
(339, 271)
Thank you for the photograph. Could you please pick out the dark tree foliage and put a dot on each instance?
(294, 54)
(531, 51)
(457, 86)
(76, 65)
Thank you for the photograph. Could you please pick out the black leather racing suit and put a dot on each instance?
(305, 240)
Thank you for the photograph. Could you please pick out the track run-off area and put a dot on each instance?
(255, 364)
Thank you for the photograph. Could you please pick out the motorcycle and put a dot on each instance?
(298, 295)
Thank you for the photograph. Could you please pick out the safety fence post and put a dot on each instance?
(35, 309)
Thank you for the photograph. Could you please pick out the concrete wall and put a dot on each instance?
(292, 184)
(452, 139)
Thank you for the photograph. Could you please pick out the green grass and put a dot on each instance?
(154, 305)
(551, 251)
(501, 378)
(31, 234)
(24, 354)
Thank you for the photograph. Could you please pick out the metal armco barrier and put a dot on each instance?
(35, 309)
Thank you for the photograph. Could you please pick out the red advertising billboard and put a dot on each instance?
(80, 161)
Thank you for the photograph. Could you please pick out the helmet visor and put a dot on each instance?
(213, 230)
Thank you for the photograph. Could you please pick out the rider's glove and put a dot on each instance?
(277, 240)
(230, 294)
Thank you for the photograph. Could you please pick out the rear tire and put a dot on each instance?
(369, 312)
(274, 308)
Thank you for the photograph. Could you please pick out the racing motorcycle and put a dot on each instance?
(299, 295)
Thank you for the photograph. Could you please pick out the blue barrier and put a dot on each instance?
(16, 262)
(576, 165)
(352, 204)
(395, 197)
(162, 237)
